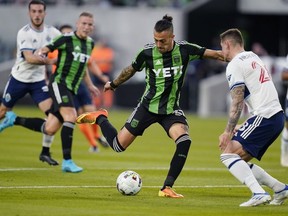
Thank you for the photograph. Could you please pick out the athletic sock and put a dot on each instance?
(47, 140)
(45, 151)
(67, 138)
(110, 133)
(241, 170)
(179, 158)
(264, 178)
(34, 124)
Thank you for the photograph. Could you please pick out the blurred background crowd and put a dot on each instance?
(125, 26)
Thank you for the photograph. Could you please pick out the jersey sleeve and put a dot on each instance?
(195, 51)
(139, 62)
(57, 43)
(234, 75)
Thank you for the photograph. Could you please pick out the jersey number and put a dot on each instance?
(264, 75)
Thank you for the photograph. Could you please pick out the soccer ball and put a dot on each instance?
(129, 183)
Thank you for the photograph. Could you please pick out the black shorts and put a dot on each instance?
(141, 119)
(61, 96)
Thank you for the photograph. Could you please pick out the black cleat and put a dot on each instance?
(48, 159)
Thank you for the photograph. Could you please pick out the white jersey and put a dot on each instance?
(31, 39)
(261, 96)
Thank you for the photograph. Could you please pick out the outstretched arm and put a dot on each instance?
(213, 54)
(125, 74)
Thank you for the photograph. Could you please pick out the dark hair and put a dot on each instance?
(234, 34)
(65, 26)
(39, 2)
(164, 24)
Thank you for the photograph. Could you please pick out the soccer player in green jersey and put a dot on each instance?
(74, 50)
(165, 62)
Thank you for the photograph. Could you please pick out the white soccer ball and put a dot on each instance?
(129, 183)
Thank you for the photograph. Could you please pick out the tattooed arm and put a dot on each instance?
(236, 107)
(125, 74)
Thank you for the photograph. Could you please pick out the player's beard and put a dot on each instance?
(37, 24)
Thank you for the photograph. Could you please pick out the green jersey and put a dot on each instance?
(165, 74)
(73, 56)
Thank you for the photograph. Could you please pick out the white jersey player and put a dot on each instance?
(30, 39)
(28, 73)
(250, 84)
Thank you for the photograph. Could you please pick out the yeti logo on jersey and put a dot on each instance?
(134, 123)
(83, 58)
(167, 72)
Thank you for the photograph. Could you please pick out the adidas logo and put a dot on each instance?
(77, 48)
(158, 62)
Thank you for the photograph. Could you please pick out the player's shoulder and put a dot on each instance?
(50, 28)
(25, 28)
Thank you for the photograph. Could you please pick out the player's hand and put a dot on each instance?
(224, 140)
(94, 90)
(107, 87)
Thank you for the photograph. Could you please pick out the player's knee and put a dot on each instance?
(116, 146)
(48, 130)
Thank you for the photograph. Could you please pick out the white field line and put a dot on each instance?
(109, 186)
(134, 168)
(21, 169)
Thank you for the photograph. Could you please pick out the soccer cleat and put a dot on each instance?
(94, 149)
(103, 142)
(70, 166)
(280, 196)
(169, 192)
(8, 121)
(257, 199)
(48, 159)
(90, 117)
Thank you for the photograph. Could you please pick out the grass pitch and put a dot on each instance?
(30, 187)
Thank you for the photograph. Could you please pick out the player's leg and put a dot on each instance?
(14, 90)
(83, 103)
(176, 127)
(256, 142)
(117, 141)
(40, 95)
(232, 159)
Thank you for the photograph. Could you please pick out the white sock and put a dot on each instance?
(264, 178)
(47, 140)
(240, 169)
